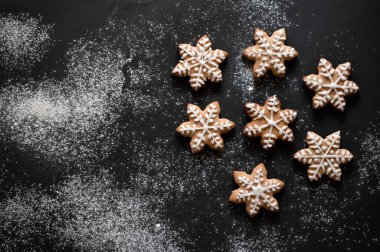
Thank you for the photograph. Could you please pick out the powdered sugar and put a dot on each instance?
(263, 13)
(267, 238)
(61, 119)
(87, 213)
(43, 108)
(24, 40)
(369, 161)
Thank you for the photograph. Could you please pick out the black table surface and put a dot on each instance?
(193, 190)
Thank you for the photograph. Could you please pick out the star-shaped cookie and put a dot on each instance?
(331, 85)
(205, 127)
(200, 63)
(323, 156)
(269, 53)
(269, 122)
(256, 190)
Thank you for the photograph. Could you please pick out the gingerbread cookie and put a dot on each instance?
(269, 122)
(205, 127)
(269, 53)
(200, 63)
(256, 190)
(331, 85)
(323, 156)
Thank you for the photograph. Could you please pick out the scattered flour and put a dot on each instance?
(267, 238)
(85, 213)
(369, 160)
(74, 122)
(264, 14)
(70, 122)
(24, 40)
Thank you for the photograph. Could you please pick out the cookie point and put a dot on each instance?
(322, 61)
(310, 134)
(274, 98)
(231, 198)
(337, 178)
(282, 183)
(180, 46)
(245, 52)
(248, 104)
(232, 124)
(256, 75)
(178, 129)
(260, 166)
(311, 178)
(216, 103)
(195, 151)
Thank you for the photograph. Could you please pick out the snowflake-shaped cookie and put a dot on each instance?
(200, 63)
(269, 122)
(269, 53)
(331, 85)
(323, 156)
(205, 127)
(256, 190)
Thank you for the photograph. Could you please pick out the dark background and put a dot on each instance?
(317, 26)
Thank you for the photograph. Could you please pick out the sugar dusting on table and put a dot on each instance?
(24, 40)
(369, 161)
(71, 121)
(72, 125)
(85, 213)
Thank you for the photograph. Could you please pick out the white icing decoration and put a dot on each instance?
(205, 127)
(269, 53)
(323, 156)
(331, 85)
(256, 190)
(200, 63)
(277, 122)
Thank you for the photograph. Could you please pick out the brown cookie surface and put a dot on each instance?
(331, 85)
(269, 122)
(201, 63)
(205, 127)
(269, 53)
(323, 156)
(256, 190)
